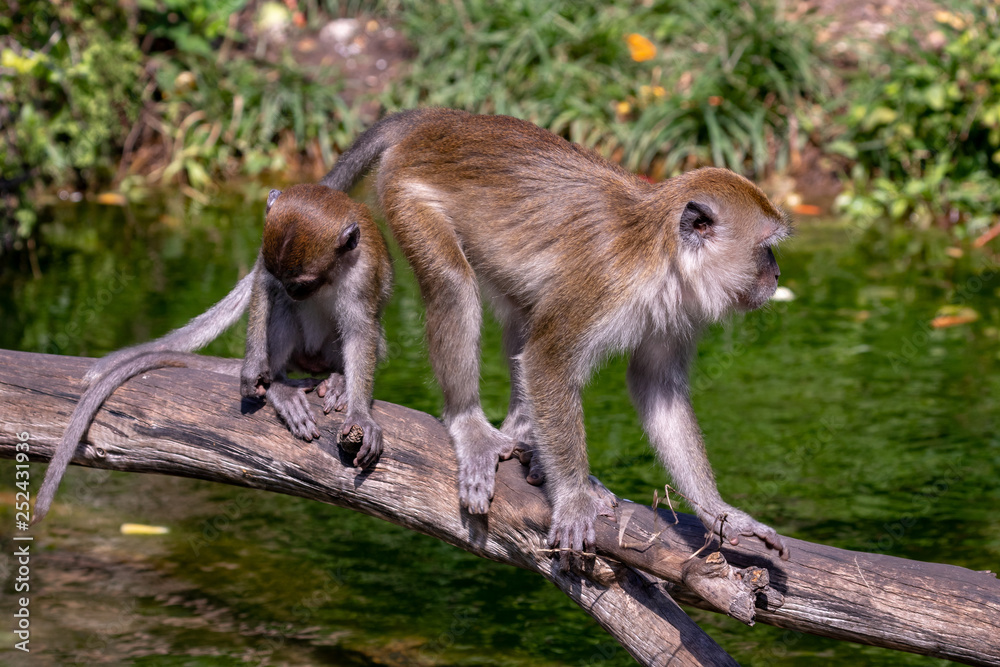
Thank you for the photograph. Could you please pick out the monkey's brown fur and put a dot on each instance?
(579, 259)
(317, 308)
(328, 251)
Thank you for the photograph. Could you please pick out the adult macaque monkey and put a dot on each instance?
(316, 296)
(580, 258)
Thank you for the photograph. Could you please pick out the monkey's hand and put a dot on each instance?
(371, 441)
(334, 392)
(480, 447)
(292, 407)
(735, 523)
(254, 380)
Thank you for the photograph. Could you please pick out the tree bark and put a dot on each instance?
(193, 424)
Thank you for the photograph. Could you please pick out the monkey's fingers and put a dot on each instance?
(254, 384)
(526, 455)
(292, 407)
(335, 396)
(535, 476)
(774, 542)
(572, 531)
(736, 523)
(363, 431)
(476, 480)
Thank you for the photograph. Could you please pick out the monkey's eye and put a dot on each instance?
(302, 290)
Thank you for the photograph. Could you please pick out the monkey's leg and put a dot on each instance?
(287, 397)
(657, 379)
(454, 319)
(333, 391)
(517, 424)
(560, 442)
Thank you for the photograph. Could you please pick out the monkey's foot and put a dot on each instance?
(735, 523)
(292, 407)
(334, 392)
(371, 441)
(525, 453)
(479, 447)
(572, 529)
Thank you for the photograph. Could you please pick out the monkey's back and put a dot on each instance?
(525, 207)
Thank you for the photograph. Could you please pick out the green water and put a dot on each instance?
(838, 418)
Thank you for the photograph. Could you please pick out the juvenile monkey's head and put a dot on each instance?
(309, 230)
(726, 231)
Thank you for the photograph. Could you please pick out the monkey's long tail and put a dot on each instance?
(95, 396)
(194, 335)
(368, 147)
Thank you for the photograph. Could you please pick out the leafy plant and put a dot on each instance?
(926, 133)
(73, 82)
(68, 98)
(627, 79)
(735, 73)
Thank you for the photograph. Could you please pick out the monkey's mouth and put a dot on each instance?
(757, 296)
(301, 291)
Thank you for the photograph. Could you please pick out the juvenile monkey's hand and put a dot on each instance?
(371, 441)
(254, 381)
(334, 393)
(736, 523)
(292, 407)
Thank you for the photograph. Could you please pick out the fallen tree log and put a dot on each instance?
(192, 424)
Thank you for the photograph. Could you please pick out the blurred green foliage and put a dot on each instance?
(923, 128)
(68, 96)
(719, 83)
(83, 83)
(170, 92)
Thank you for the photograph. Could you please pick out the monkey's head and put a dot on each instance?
(726, 231)
(309, 231)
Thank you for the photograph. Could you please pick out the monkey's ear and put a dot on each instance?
(349, 238)
(271, 196)
(697, 222)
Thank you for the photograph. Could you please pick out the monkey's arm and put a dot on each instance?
(256, 372)
(360, 336)
(194, 335)
(658, 382)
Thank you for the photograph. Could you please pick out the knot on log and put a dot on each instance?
(729, 589)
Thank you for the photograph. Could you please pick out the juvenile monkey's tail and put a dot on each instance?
(368, 147)
(194, 335)
(94, 397)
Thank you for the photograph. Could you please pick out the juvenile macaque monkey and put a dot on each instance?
(316, 295)
(579, 259)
